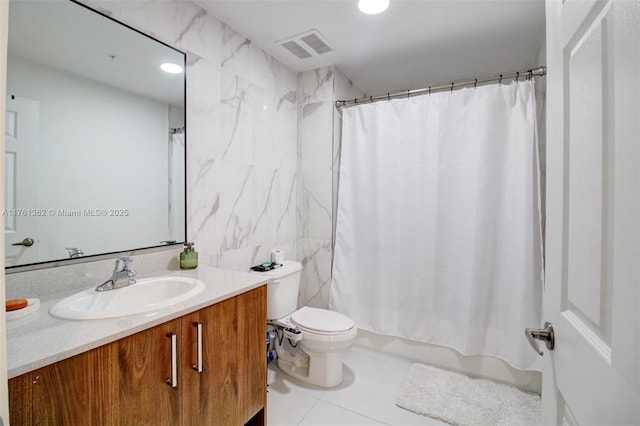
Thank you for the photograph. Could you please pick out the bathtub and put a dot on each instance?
(439, 356)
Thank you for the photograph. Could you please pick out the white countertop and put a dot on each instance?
(40, 339)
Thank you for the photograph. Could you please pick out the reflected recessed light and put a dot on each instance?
(171, 68)
(371, 7)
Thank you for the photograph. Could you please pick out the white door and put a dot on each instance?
(593, 213)
(21, 210)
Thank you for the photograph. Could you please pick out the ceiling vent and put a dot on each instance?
(307, 44)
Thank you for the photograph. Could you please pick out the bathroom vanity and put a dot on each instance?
(201, 362)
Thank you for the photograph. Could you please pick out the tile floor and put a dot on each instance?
(366, 396)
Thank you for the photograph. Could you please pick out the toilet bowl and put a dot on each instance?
(310, 340)
(318, 356)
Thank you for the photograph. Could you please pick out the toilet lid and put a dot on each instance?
(322, 320)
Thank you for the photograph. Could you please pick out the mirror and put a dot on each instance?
(95, 143)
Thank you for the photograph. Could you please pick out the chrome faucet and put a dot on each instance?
(120, 272)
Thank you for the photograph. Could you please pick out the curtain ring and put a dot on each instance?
(500, 81)
(355, 100)
(475, 84)
(388, 96)
(452, 87)
(370, 98)
(408, 94)
(517, 76)
(429, 90)
(530, 75)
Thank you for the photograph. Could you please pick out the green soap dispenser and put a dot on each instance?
(189, 257)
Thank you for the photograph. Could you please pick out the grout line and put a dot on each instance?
(308, 411)
(349, 410)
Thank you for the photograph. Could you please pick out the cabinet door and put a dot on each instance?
(252, 331)
(75, 391)
(232, 384)
(216, 401)
(20, 405)
(145, 397)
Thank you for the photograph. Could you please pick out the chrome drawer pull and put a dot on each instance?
(173, 380)
(198, 364)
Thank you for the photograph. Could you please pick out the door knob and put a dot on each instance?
(545, 334)
(27, 242)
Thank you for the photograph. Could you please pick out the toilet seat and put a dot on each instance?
(322, 321)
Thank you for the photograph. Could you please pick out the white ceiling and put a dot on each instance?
(412, 44)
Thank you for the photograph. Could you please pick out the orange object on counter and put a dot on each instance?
(15, 304)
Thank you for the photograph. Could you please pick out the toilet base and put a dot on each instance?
(324, 369)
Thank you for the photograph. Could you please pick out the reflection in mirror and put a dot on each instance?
(95, 144)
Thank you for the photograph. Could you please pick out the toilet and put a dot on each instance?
(309, 341)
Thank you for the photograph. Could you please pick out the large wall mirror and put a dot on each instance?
(95, 143)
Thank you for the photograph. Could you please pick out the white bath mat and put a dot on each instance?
(461, 400)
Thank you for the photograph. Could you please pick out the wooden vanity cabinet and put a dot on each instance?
(232, 384)
(125, 382)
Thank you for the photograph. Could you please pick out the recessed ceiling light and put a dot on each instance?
(371, 7)
(171, 68)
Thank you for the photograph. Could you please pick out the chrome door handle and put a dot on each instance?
(27, 242)
(545, 334)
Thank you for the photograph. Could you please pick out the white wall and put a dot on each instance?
(4, 392)
(94, 136)
(541, 115)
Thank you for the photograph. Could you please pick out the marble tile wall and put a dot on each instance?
(315, 151)
(319, 126)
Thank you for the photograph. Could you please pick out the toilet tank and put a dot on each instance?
(282, 292)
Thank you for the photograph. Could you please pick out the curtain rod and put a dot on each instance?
(528, 74)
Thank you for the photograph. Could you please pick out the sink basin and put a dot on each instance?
(146, 295)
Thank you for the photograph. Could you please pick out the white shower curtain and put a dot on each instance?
(438, 235)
